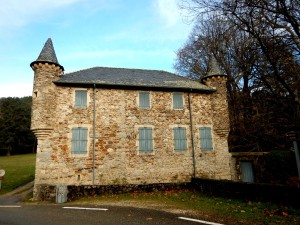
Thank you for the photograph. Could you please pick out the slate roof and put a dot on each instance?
(130, 78)
(48, 55)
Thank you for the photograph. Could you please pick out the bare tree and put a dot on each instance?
(260, 60)
(274, 24)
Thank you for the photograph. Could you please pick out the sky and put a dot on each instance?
(142, 34)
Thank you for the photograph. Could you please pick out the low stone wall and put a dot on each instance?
(48, 192)
(45, 192)
(283, 195)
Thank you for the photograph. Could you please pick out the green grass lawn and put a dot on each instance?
(19, 170)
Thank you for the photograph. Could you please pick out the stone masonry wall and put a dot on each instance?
(117, 159)
(224, 162)
(116, 155)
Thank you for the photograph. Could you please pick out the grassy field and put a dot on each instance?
(224, 211)
(19, 170)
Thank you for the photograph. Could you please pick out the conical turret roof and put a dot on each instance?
(48, 55)
(214, 68)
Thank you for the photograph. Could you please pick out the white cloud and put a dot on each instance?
(169, 11)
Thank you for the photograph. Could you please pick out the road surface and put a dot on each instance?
(52, 214)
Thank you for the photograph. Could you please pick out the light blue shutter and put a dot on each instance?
(205, 139)
(75, 140)
(83, 140)
(144, 100)
(177, 100)
(79, 140)
(145, 139)
(247, 171)
(179, 138)
(183, 138)
(80, 99)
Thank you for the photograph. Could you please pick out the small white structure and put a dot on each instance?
(2, 173)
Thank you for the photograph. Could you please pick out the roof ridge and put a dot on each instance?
(108, 67)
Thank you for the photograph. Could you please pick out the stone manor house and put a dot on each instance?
(104, 126)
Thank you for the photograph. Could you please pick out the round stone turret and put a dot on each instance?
(218, 81)
(214, 73)
(46, 70)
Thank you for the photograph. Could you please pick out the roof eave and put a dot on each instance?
(133, 87)
(49, 62)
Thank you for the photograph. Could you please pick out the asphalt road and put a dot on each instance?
(87, 215)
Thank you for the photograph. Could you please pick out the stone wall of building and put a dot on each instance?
(113, 157)
(117, 158)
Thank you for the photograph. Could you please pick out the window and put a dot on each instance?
(177, 100)
(145, 139)
(179, 138)
(81, 99)
(144, 100)
(205, 139)
(79, 140)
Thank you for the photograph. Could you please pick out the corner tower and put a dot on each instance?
(220, 119)
(46, 70)
(218, 81)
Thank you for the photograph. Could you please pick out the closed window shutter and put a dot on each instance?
(177, 100)
(80, 99)
(75, 140)
(144, 100)
(205, 139)
(145, 139)
(83, 139)
(179, 138)
(79, 140)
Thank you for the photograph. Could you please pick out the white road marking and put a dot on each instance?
(83, 208)
(10, 206)
(199, 221)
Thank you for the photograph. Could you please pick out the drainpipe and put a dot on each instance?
(192, 134)
(94, 133)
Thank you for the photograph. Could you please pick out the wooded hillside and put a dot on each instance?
(15, 134)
